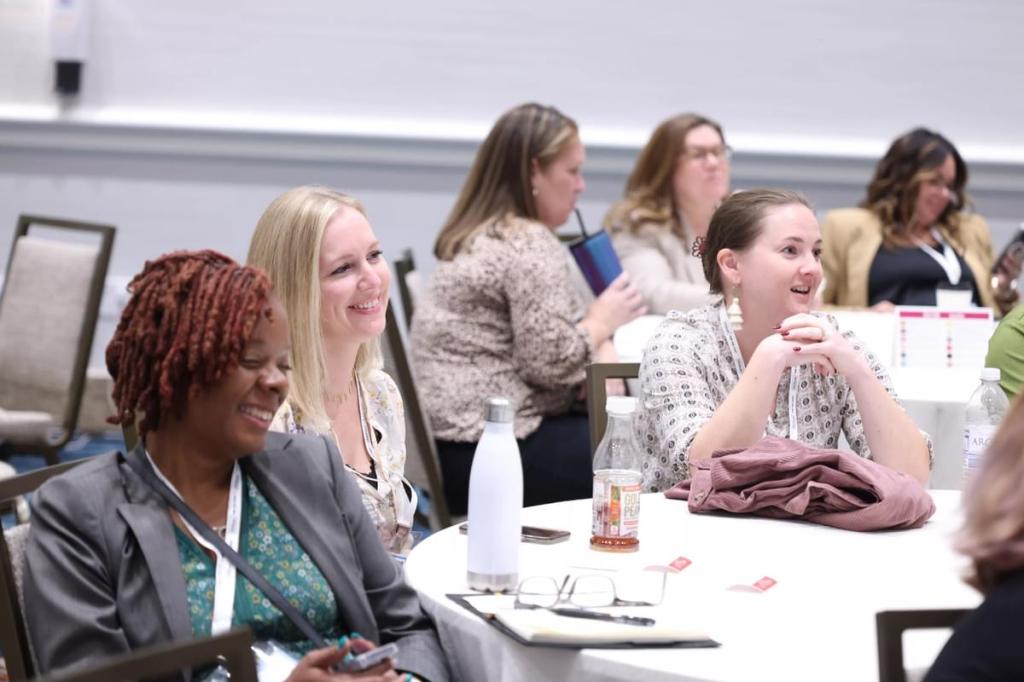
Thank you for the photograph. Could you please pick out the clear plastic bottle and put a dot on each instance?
(495, 503)
(982, 416)
(617, 478)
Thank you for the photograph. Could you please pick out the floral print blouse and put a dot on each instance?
(268, 545)
(500, 319)
(692, 362)
(388, 498)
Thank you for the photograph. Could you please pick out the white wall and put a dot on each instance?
(194, 115)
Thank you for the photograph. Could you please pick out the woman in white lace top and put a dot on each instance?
(787, 372)
(328, 268)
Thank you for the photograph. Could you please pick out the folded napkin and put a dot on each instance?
(782, 478)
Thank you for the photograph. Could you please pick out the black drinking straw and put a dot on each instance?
(579, 219)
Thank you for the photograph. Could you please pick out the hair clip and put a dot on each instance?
(698, 247)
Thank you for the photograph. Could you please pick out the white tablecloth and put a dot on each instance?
(934, 398)
(816, 624)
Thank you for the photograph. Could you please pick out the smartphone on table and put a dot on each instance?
(535, 534)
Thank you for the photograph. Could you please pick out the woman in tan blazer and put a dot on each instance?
(679, 179)
(911, 235)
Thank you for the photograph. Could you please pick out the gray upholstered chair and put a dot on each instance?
(48, 310)
(14, 639)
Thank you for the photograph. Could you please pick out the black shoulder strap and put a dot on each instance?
(146, 473)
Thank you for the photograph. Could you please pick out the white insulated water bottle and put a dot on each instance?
(495, 503)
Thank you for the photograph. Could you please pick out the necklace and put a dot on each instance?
(220, 530)
(341, 398)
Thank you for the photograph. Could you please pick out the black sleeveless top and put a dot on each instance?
(906, 275)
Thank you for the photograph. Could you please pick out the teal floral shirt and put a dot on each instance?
(269, 546)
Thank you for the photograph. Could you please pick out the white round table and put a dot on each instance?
(817, 623)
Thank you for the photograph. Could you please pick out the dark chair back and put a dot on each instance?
(405, 270)
(233, 649)
(890, 626)
(422, 464)
(597, 374)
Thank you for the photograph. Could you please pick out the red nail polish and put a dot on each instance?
(796, 349)
(785, 332)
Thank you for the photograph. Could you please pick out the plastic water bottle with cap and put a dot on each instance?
(982, 416)
(495, 503)
(617, 478)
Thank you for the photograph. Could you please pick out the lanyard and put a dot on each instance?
(794, 372)
(947, 260)
(224, 590)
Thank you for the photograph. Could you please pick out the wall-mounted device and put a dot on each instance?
(70, 34)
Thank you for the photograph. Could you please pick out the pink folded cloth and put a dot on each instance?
(784, 479)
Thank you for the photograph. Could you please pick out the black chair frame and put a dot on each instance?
(405, 264)
(420, 432)
(597, 374)
(233, 649)
(890, 626)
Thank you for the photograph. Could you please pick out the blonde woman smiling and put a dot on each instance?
(328, 268)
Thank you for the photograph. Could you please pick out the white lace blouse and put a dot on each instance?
(389, 498)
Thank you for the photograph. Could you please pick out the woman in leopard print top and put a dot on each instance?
(500, 317)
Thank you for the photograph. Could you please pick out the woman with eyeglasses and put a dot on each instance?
(501, 317)
(912, 235)
(680, 177)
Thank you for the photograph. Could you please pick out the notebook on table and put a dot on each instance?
(541, 627)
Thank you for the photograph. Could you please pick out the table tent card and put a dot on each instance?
(931, 337)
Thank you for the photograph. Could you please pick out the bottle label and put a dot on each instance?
(976, 440)
(616, 508)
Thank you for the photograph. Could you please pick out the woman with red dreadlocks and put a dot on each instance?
(210, 520)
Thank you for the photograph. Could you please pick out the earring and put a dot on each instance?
(533, 191)
(734, 311)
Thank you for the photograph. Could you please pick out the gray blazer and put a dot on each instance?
(104, 575)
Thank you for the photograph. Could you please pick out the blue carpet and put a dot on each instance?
(84, 445)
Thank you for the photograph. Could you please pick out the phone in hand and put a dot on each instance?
(368, 659)
(1014, 250)
(535, 534)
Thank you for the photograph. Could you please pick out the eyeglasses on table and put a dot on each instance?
(583, 591)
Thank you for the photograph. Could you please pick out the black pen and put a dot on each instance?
(601, 615)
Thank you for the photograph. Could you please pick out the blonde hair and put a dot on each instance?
(649, 195)
(993, 532)
(286, 244)
(499, 181)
